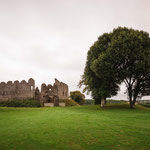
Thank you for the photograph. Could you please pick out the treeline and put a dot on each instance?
(109, 101)
(145, 103)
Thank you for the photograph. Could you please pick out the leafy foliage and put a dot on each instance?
(120, 56)
(78, 97)
(20, 103)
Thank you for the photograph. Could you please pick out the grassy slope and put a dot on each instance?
(75, 128)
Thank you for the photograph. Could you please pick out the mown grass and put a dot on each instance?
(75, 128)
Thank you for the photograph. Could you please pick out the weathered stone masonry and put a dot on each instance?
(62, 89)
(17, 90)
(26, 90)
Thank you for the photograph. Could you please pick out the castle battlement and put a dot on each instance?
(25, 90)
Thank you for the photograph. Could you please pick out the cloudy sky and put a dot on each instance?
(47, 39)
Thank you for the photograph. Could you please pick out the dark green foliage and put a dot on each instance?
(120, 56)
(78, 97)
(20, 103)
(100, 86)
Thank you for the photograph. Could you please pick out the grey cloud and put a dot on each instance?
(45, 39)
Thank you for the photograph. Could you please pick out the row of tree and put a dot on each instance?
(120, 56)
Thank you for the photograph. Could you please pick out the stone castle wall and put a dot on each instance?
(17, 90)
(26, 90)
(52, 94)
(62, 89)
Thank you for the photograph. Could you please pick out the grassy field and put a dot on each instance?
(75, 128)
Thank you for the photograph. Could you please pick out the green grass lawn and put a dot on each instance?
(75, 128)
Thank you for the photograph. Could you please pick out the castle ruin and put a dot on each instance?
(26, 90)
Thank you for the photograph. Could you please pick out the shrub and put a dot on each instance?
(78, 97)
(20, 103)
(31, 103)
(2, 104)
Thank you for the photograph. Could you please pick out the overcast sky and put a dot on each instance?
(47, 39)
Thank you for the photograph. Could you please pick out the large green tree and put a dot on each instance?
(120, 56)
(100, 86)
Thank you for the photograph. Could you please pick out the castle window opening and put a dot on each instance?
(31, 88)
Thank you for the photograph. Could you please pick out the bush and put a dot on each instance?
(20, 103)
(31, 103)
(78, 97)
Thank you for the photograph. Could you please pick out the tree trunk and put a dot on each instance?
(130, 97)
(134, 100)
(131, 104)
(135, 97)
(103, 101)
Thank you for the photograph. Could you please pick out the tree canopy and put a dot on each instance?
(120, 56)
